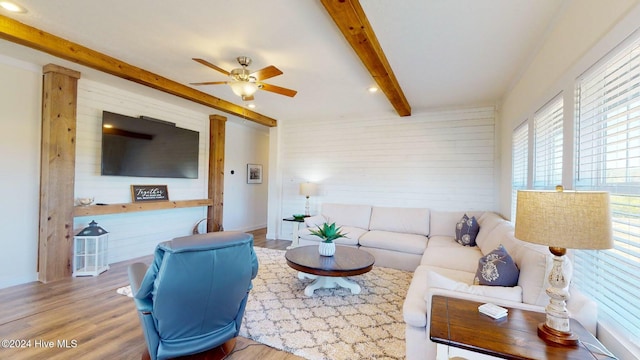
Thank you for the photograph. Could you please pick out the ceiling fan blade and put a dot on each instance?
(214, 67)
(279, 90)
(209, 83)
(266, 73)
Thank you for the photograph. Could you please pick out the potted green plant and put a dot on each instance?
(328, 233)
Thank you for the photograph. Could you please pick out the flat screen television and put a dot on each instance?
(146, 147)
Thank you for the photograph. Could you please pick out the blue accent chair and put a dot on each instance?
(191, 299)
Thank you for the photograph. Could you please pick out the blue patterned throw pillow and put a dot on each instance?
(497, 268)
(466, 231)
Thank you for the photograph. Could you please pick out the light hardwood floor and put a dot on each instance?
(84, 318)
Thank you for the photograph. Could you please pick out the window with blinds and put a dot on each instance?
(608, 158)
(519, 163)
(547, 152)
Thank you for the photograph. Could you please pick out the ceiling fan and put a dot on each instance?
(244, 82)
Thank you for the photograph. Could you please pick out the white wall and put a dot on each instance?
(585, 33)
(134, 234)
(20, 115)
(442, 160)
(245, 204)
(130, 235)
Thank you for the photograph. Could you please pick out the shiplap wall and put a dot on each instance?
(134, 234)
(442, 160)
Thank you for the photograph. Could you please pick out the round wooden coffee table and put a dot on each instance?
(329, 271)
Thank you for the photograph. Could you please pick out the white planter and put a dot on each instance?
(327, 249)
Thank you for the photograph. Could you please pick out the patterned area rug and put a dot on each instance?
(333, 324)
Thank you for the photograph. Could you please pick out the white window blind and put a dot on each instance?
(519, 163)
(547, 152)
(608, 158)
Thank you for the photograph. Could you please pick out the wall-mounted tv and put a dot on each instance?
(147, 147)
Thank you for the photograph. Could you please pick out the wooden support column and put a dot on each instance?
(217, 125)
(57, 172)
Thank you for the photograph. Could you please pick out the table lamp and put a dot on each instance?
(307, 189)
(562, 220)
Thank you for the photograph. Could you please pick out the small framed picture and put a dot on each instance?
(254, 174)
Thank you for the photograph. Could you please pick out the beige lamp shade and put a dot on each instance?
(308, 189)
(564, 219)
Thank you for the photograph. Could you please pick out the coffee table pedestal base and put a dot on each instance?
(328, 282)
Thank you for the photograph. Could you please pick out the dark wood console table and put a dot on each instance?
(458, 323)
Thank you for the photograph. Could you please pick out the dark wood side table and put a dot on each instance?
(329, 271)
(458, 323)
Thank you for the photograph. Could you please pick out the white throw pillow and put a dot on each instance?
(436, 280)
(314, 221)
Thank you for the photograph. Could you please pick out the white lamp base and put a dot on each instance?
(556, 329)
(306, 208)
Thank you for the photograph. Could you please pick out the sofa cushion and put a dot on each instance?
(535, 262)
(467, 230)
(442, 241)
(314, 221)
(352, 235)
(453, 274)
(511, 293)
(488, 221)
(400, 220)
(496, 237)
(408, 243)
(455, 256)
(347, 215)
(444, 222)
(414, 309)
(497, 268)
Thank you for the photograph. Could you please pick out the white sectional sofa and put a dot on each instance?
(422, 241)
(396, 237)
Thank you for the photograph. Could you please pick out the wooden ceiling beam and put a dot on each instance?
(354, 25)
(26, 35)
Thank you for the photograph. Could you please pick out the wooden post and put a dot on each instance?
(217, 125)
(57, 172)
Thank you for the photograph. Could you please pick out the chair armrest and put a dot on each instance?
(137, 273)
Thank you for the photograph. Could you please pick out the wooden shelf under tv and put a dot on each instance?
(139, 206)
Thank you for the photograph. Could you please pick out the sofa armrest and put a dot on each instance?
(583, 309)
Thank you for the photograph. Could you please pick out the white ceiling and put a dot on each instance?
(445, 53)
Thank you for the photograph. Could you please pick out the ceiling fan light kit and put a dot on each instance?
(244, 89)
(244, 82)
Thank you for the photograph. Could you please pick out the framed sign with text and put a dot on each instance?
(141, 193)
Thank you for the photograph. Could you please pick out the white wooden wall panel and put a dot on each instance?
(131, 235)
(135, 234)
(442, 160)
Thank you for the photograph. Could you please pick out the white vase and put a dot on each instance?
(327, 248)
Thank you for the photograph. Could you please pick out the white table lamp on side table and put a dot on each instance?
(562, 220)
(308, 189)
